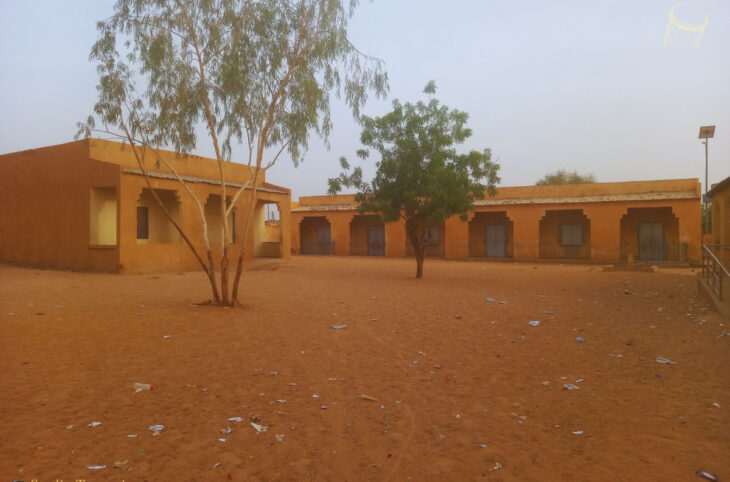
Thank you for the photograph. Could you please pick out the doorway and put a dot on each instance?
(651, 242)
(376, 240)
(496, 241)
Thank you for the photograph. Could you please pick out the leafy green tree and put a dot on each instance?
(561, 176)
(255, 73)
(420, 177)
(707, 218)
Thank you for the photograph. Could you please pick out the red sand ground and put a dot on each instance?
(451, 373)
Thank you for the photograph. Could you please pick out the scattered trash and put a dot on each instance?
(226, 431)
(579, 339)
(121, 465)
(580, 380)
(577, 432)
(706, 475)
(273, 373)
(323, 407)
(546, 383)
(716, 405)
(69, 427)
(490, 300)
(372, 319)
(216, 465)
(96, 467)
(398, 402)
(94, 424)
(570, 386)
(292, 384)
(221, 440)
(156, 428)
(421, 353)
(235, 419)
(132, 435)
(482, 446)
(279, 437)
(140, 387)
(315, 396)
(666, 361)
(502, 302)
(338, 327)
(259, 428)
(280, 401)
(368, 398)
(497, 465)
(533, 323)
(166, 336)
(458, 417)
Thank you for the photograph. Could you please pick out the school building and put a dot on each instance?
(640, 221)
(86, 206)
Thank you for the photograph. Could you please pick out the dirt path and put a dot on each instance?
(463, 385)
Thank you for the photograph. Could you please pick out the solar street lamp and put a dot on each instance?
(706, 133)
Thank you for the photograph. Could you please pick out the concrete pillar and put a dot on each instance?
(526, 231)
(457, 238)
(340, 231)
(286, 229)
(395, 238)
(605, 222)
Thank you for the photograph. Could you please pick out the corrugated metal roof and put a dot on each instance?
(649, 196)
(164, 175)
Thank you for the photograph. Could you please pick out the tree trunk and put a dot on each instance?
(244, 239)
(419, 265)
(224, 274)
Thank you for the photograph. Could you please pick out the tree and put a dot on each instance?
(256, 73)
(420, 177)
(707, 218)
(562, 176)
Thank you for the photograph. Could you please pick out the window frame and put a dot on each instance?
(146, 230)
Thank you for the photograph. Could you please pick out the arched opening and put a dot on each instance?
(565, 234)
(491, 235)
(103, 216)
(651, 234)
(267, 230)
(367, 235)
(435, 241)
(315, 236)
(153, 226)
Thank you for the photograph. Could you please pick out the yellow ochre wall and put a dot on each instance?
(46, 217)
(721, 220)
(524, 207)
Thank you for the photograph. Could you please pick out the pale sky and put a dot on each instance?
(586, 85)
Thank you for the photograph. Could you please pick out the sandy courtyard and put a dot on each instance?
(466, 389)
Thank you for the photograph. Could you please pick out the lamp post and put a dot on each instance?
(706, 133)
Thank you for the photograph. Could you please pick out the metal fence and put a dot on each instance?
(714, 272)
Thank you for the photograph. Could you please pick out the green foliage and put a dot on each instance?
(420, 176)
(259, 73)
(561, 176)
(265, 68)
(707, 218)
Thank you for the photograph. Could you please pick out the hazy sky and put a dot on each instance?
(586, 85)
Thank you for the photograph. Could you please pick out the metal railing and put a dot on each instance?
(713, 271)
